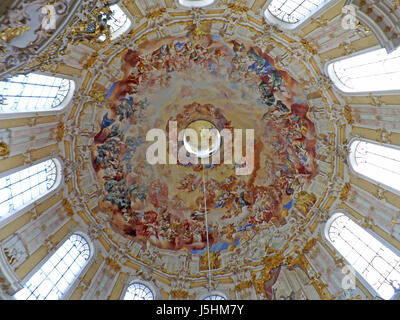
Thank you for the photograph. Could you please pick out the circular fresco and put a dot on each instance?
(232, 85)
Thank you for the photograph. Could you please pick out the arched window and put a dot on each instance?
(380, 163)
(21, 188)
(57, 274)
(374, 71)
(378, 265)
(138, 291)
(214, 297)
(118, 21)
(293, 11)
(196, 3)
(34, 92)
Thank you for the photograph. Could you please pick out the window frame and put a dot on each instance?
(76, 281)
(329, 72)
(148, 284)
(57, 186)
(351, 163)
(65, 105)
(359, 277)
(274, 21)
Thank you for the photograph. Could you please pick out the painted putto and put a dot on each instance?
(232, 84)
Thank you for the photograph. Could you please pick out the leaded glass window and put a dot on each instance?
(374, 261)
(33, 92)
(294, 11)
(138, 291)
(196, 3)
(380, 163)
(214, 297)
(373, 71)
(23, 187)
(58, 273)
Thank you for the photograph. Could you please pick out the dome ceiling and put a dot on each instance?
(191, 69)
(260, 227)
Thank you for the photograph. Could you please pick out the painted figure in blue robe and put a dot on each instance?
(106, 122)
(260, 66)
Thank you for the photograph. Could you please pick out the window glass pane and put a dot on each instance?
(377, 162)
(46, 268)
(24, 294)
(138, 291)
(69, 276)
(293, 11)
(373, 71)
(54, 278)
(375, 262)
(32, 92)
(62, 267)
(21, 188)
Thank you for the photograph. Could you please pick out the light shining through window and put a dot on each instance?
(33, 92)
(294, 11)
(375, 262)
(378, 162)
(373, 71)
(58, 273)
(138, 291)
(23, 187)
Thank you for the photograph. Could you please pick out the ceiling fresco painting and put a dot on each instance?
(232, 84)
(260, 225)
